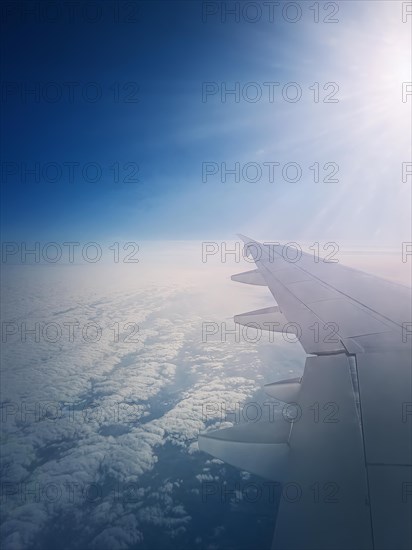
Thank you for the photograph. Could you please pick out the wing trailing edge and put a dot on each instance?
(258, 447)
(253, 277)
(284, 390)
(269, 318)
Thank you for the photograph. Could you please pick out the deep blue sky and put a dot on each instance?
(169, 51)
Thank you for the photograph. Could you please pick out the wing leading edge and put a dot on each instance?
(348, 452)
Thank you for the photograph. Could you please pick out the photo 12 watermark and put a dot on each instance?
(291, 252)
(69, 171)
(68, 332)
(70, 11)
(269, 172)
(69, 92)
(269, 92)
(269, 492)
(69, 492)
(252, 332)
(27, 412)
(267, 11)
(68, 252)
(326, 412)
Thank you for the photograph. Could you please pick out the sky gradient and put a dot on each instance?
(130, 164)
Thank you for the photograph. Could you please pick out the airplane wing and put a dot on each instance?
(345, 458)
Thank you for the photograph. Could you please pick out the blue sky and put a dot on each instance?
(169, 52)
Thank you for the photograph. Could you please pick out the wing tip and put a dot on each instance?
(244, 238)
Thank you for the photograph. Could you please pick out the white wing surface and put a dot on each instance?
(345, 462)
